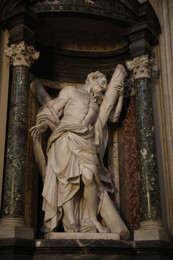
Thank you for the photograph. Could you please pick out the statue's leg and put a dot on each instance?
(112, 217)
(69, 219)
(90, 195)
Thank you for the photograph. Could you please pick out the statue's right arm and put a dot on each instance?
(59, 103)
(49, 115)
(39, 91)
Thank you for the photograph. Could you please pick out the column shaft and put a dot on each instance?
(13, 222)
(150, 223)
(149, 181)
(17, 144)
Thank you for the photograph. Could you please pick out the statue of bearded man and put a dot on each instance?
(76, 183)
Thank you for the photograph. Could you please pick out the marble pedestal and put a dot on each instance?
(150, 234)
(84, 249)
(16, 232)
(87, 236)
(151, 230)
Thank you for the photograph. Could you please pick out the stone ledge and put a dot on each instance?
(16, 249)
(84, 249)
(77, 235)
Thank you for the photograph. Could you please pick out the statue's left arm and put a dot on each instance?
(116, 111)
(111, 105)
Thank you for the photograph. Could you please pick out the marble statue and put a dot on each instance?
(76, 183)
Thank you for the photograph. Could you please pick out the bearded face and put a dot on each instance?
(98, 85)
(97, 93)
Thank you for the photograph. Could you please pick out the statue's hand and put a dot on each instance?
(38, 129)
(120, 88)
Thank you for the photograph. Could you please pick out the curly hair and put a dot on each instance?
(97, 77)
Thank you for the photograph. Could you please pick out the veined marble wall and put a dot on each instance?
(163, 107)
(4, 80)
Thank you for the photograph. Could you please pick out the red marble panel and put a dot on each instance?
(130, 179)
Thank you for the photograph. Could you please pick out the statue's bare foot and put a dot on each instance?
(72, 228)
(99, 227)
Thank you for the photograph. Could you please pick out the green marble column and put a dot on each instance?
(150, 192)
(16, 152)
(151, 225)
(15, 172)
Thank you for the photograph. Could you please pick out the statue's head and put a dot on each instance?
(97, 83)
(97, 78)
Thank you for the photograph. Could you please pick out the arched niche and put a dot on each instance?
(75, 38)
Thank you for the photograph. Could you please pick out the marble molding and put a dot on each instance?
(13, 211)
(142, 68)
(87, 236)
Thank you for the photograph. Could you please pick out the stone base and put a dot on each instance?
(16, 232)
(16, 249)
(84, 249)
(151, 230)
(151, 234)
(86, 236)
(12, 222)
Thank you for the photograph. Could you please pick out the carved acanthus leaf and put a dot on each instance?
(21, 54)
(142, 67)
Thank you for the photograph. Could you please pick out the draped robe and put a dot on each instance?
(74, 145)
(71, 148)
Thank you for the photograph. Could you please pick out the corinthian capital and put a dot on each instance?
(141, 67)
(21, 54)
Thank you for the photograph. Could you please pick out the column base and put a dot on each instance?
(11, 222)
(16, 232)
(151, 230)
(15, 228)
